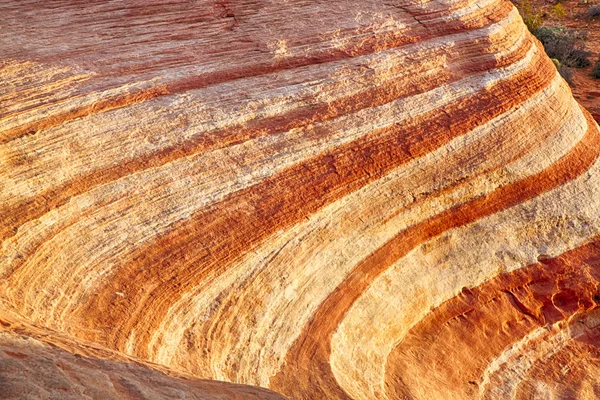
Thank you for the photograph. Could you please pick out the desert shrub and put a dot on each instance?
(593, 12)
(578, 58)
(564, 45)
(558, 11)
(566, 73)
(596, 70)
(531, 17)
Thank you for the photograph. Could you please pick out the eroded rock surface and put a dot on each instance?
(38, 364)
(357, 199)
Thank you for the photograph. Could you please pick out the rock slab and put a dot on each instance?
(332, 200)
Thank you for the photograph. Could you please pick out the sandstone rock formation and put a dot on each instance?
(333, 200)
(39, 364)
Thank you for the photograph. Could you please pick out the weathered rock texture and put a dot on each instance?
(36, 363)
(357, 199)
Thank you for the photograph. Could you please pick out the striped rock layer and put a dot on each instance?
(332, 200)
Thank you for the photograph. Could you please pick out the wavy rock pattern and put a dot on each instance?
(358, 199)
(39, 364)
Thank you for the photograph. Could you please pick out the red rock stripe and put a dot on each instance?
(493, 142)
(369, 45)
(29, 209)
(313, 347)
(373, 44)
(573, 370)
(463, 335)
(211, 240)
(100, 106)
(354, 101)
(14, 215)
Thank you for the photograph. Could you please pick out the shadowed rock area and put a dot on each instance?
(325, 200)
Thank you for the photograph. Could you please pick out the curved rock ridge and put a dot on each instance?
(40, 364)
(332, 200)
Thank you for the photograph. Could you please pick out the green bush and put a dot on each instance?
(558, 11)
(596, 70)
(565, 45)
(531, 18)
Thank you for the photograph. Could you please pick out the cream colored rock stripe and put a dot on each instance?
(286, 208)
(171, 192)
(279, 256)
(509, 368)
(130, 132)
(113, 224)
(463, 257)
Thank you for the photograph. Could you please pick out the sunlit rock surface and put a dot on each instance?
(38, 364)
(332, 200)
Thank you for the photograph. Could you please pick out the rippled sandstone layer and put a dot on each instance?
(345, 200)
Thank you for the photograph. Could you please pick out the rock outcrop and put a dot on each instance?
(357, 199)
(36, 363)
